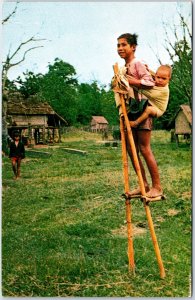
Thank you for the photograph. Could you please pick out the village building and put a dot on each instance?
(36, 121)
(181, 124)
(99, 124)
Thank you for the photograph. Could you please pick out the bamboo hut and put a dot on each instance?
(99, 124)
(36, 121)
(181, 124)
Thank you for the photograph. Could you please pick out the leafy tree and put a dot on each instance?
(89, 102)
(11, 86)
(109, 110)
(31, 85)
(84, 104)
(59, 87)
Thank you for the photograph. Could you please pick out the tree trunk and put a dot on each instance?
(4, 125)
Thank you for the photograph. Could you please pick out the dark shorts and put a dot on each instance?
(136, 109)
(145, 125)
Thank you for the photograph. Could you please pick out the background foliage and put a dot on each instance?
(77, 102)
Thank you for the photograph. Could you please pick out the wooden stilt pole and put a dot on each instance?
(154, 240)
(141, 183)
(128, 204)
(133, 148)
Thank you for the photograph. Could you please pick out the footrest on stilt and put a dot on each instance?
(153, 199)
(128, 196)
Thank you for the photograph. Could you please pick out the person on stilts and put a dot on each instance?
(126, 48)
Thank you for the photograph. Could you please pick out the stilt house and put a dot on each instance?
(36, 121)
(181, 124)
(99, 124)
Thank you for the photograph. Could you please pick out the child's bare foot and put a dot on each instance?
(137, 192)
(133, 124)
(153, 192)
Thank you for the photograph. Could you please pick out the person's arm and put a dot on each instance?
(22, 150)
(11, 150)
(145, 78)
(135, 82)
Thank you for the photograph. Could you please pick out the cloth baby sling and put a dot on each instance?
(158, 97)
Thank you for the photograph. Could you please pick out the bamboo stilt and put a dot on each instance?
(133, 148)
(154, 240)
(128, 204)
(124, 157)
(140, 179)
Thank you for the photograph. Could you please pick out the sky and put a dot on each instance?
(84, 34)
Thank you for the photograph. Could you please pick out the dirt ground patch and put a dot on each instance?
(122, 231)
(172, 212)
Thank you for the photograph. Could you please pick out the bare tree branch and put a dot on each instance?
(11, 14)
(169, 52)
(157, 55)
(7, 64)
(24, 55)
(32, 39)
(185, 25)
(175, 33)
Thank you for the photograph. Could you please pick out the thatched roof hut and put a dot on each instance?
(181, 124)
(182, 121)
(31, 114)
(99, 123)
(24, 111)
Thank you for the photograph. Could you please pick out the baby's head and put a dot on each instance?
(163, 75)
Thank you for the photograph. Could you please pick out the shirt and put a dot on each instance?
(138, 70)
(17, 151)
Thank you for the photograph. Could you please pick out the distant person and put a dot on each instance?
(158, 96)
(16, 153)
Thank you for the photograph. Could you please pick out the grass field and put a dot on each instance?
(64, 229)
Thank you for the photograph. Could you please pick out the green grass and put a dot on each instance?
(64, 231)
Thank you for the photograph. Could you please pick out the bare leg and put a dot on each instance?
(149, 111)
(18, 167)
(14, 168)
(137, 190)
(144, 137)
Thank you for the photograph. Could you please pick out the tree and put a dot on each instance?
(109, 110)
(30, 85)
(7, 64)
(9, 61)
(179, 49)
(59, 87)
(89, 101)
(84, 103)
(180, 53)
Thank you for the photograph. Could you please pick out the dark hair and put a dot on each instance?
(16, 133)
(131, 38)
